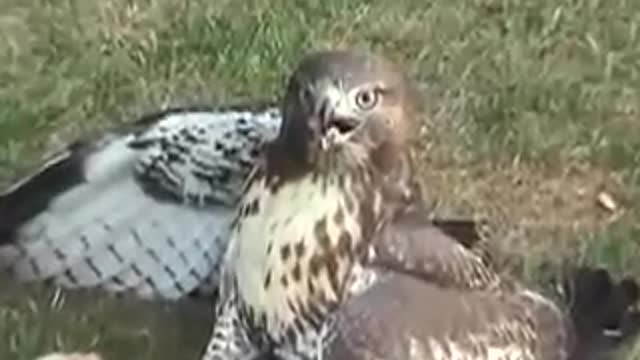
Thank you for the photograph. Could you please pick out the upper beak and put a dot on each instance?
(334, 112)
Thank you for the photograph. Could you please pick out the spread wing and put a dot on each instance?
(143, 209)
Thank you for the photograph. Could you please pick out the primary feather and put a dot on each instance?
(145, 209)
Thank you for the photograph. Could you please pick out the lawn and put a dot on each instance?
(532, 116)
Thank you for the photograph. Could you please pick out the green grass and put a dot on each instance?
(35, 319)
(533, 110)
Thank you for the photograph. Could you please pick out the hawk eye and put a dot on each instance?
(367, 99)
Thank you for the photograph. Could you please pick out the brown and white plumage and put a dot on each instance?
(142, 209)
(404, 317)
(443, 252)
(325, 261)
(311, 207)
(145, 209)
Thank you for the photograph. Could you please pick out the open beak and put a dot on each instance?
(336, 118)
(342, 125)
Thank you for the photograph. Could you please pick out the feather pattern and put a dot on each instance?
(440, 251)
(143, 209)
(435, 299)
(425, 321)
(308, 276)
(317, 249)
(290, 264)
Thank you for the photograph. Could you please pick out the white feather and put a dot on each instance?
(250, 260)
(109, 231)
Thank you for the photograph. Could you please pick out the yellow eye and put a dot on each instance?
(367, 99)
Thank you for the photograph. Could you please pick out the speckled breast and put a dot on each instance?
(296, 248)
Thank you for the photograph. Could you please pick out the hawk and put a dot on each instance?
(420, 308)
(313, 203)
(326, 236)
(143, 209)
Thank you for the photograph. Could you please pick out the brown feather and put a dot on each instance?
(414, 245)
(402, 317)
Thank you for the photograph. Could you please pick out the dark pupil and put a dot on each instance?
(366, 98)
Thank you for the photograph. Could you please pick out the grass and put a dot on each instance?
(533, 110)
(36, 320)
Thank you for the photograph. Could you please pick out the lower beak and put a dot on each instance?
(336, 130)
(332, 116)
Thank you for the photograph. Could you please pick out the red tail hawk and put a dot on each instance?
(311, 206)
(324, 262)
(144, 209)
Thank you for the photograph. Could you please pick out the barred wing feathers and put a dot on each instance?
(145, 209)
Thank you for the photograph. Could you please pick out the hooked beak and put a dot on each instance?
(337, 120)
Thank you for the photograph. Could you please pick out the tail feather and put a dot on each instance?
(603, 312)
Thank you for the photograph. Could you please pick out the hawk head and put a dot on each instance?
(341, 98)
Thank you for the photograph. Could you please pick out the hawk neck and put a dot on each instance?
(285, 163)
